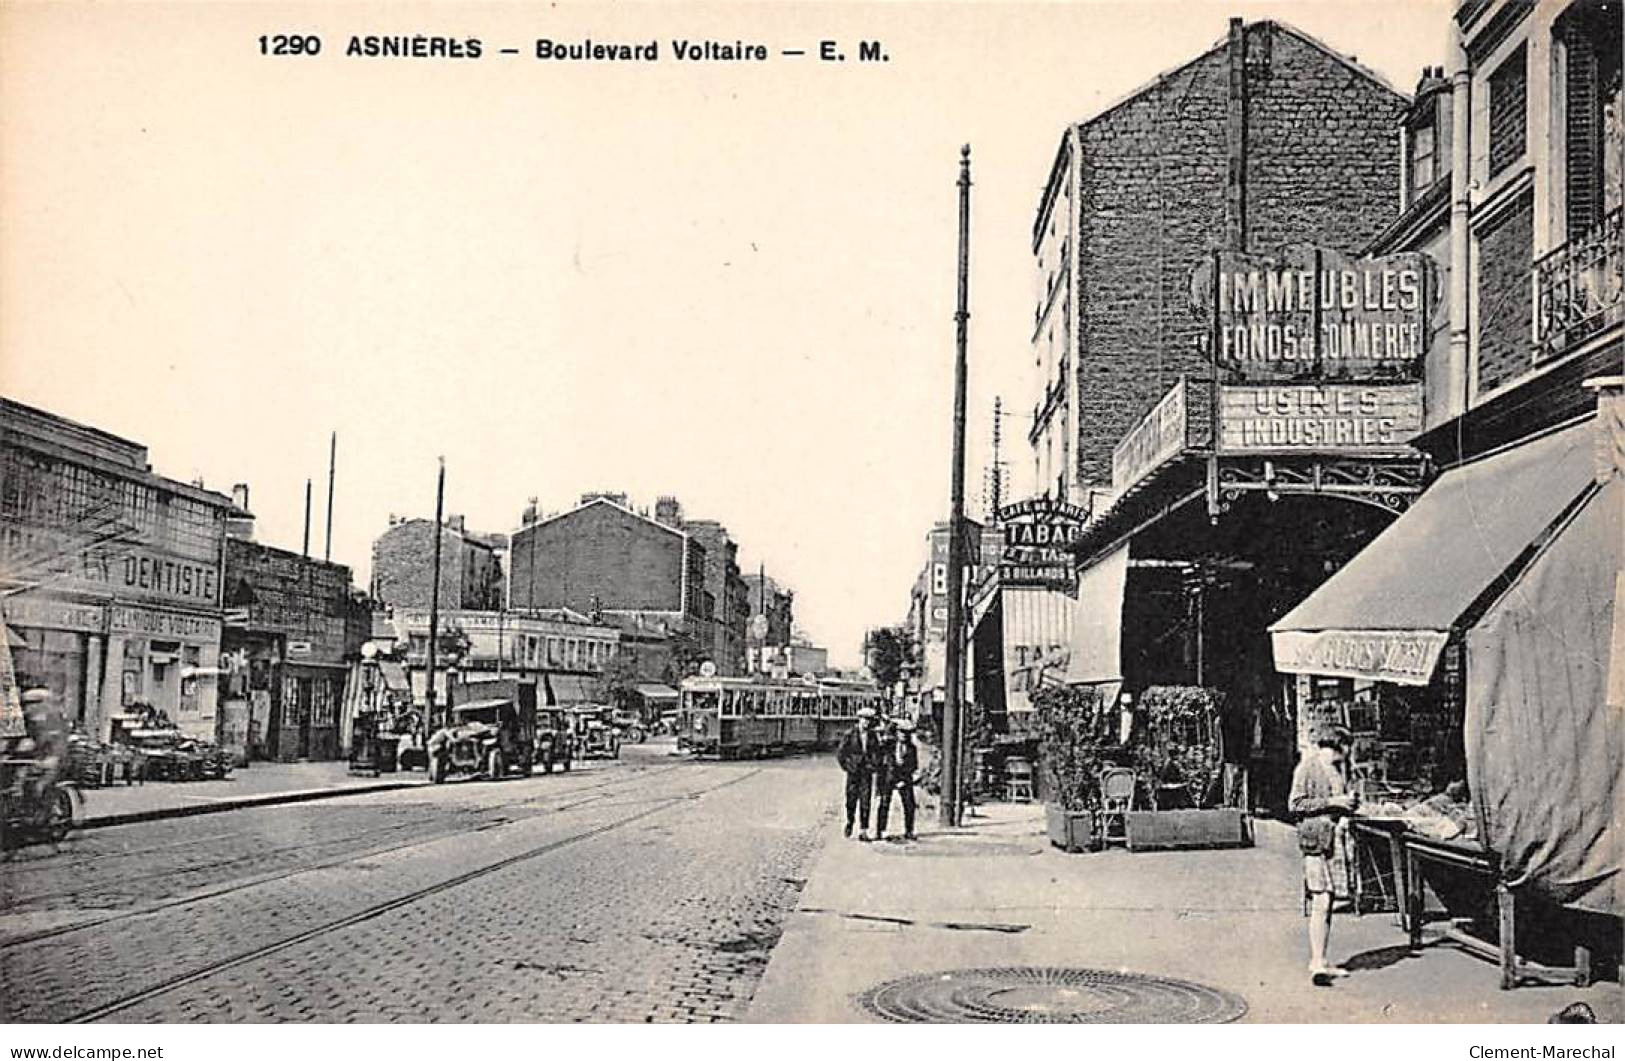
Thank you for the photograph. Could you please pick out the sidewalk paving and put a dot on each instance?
(997, 894)
(261, 784)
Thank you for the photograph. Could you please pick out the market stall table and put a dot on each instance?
(1471, 857)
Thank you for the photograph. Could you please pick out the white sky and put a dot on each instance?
(729, 282)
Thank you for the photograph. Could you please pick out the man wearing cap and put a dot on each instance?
(1319, 796)
(902, 763)
(860, 755)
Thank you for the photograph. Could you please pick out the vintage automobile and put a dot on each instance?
(629, 725)
(486, 738)
(555, 738)
(598, 736)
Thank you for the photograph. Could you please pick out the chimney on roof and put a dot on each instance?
(240, 527)
(457, 523)
(668, 511)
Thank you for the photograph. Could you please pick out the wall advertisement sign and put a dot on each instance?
(1154, 440)
(48, 614)
(1036, 550)
(1315, 313)
(1319, 416)
(166, 625)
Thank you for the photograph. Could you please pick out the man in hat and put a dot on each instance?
(1319, 797)
(902, 763)
(861, 756)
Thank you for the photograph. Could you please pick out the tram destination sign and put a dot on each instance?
(1319, 416)
(1036, 551)
(1312, 313)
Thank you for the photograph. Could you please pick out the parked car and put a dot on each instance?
(485, 738)
(555, 738)
(598, 736)
(629, 725)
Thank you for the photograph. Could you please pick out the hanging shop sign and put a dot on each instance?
(1036, 548)
(1405, 657)
(1319, 416)
(1315, 313)
(1156, 439)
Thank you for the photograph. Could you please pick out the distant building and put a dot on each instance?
(928, 603)
(603, 557)
(470, 565)
(764, 596)
(727, 595)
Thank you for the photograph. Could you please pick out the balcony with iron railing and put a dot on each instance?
(1579, 289)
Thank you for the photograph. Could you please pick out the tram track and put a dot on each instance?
(376, 910)
(273, 876)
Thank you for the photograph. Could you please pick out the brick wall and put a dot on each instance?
(403, 566)
(1504, 310)
(1322, 166)
(600, 551)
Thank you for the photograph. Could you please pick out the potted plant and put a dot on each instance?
(1181, 755)
(1071, 723)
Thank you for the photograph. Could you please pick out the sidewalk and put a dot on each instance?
(259, 785)
(996, 894)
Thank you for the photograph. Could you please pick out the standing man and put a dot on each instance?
(858, 755)
(902, 763)
(1319, 797)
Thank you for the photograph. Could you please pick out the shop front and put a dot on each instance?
(1475, 650)
(109, 575)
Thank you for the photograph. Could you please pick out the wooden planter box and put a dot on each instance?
(1071, 831)
(1175, 830)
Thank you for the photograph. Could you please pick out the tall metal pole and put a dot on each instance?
(434, 590)
(953, 738)
(332, 468)
(305, 550)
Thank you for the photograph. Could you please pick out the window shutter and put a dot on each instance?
(1582, 133)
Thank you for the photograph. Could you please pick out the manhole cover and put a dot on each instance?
(1029, 995)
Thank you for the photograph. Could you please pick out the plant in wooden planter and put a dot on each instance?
(1183, 740)
(1074, 732)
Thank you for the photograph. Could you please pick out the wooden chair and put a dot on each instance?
(1117, 788)
(1018, 780)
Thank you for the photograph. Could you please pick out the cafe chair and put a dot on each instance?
(1018, 780)
(1117, 787)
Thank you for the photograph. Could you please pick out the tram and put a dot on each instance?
(747, 718)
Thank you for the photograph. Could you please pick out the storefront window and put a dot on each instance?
(54, 660)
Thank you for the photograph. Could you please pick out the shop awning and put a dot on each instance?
(565, 689)
(655, 691)
(1542, 728)
(1097, 624)
(1387, 614)
(15, 638)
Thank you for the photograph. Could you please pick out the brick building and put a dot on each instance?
(1269, 138)
(470, 565)
(1222, 383)
(602, 558)
(727, 595)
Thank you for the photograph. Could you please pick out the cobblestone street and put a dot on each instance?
(649, 889)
